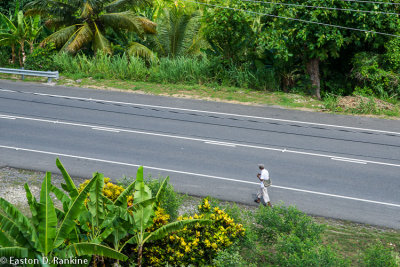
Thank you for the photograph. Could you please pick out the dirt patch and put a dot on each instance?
(354, 102)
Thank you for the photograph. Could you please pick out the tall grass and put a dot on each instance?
(181, 70)
(167, 70)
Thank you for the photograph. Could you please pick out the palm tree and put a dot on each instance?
(178, 33)
(83, 22)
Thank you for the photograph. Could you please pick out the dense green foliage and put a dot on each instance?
(317, 47)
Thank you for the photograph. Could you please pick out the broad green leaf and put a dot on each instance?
(20, 220)
(163, 184)
(12, 230)
(16, 252)
(77, 206)
(65, 200)
(72, 190)
(46, 216)
(5, 241)
(32, 205)
(82, 249)
(143, 214)
(96, 204)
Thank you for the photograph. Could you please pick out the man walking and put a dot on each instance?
(264, 178)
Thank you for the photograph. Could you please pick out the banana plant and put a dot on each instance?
(143, 214)
(47, 235)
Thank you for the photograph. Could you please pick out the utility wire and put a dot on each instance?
(294, 19)
(372, 2)
(323, 7)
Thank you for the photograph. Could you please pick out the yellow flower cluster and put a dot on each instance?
(193, 245)
(110, 190)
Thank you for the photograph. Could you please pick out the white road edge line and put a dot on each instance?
(200, 175)
(205, 111)
(205, 140)
(348, 160)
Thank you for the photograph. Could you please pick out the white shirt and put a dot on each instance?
(264, 176)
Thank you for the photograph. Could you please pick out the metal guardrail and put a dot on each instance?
(49, 74)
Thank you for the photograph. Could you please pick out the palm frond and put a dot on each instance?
(147, 25)
(177, 31)
(128, 21)
(139, 50)
(118, 5)
(101, 43)
(87, 10)
(59, 38)
(51, 7)
(83, 36)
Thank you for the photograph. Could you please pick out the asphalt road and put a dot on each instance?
(335, 166)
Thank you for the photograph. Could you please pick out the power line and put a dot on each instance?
(322, 7)
(294, 19)
(372, 2)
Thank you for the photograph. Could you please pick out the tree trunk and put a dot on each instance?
(23, 53)
(313, 71)
(13, 56)
(140, 254)
(31, 47)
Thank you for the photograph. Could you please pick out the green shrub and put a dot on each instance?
(369, 74)
(331, 102)
(41, 59)
(169, 200)
(379, 256)
(293, 251)
(230, 257)
(271, 223)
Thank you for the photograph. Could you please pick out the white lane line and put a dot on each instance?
(348, 160)
(201, 175)
(207, 112)
(105, 129)
(220, 143)
(207, 140)
(7, 117)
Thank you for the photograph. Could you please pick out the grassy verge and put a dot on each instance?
(370, 107)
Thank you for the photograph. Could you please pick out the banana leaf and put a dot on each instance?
(76, 208)
(69, 186)
(16, 252)
(82, 249)
(46, 216)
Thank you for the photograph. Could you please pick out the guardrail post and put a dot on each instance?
(22, 76)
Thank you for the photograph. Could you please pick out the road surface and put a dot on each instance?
(329, 165)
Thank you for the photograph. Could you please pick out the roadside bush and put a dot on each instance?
(379, 256)
(41, 58)
(371, 76)
(272, 223)
(197, 245)
(169, 200)
(231, 257)
(293, 251)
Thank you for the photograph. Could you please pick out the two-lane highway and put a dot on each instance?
(337, 166)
